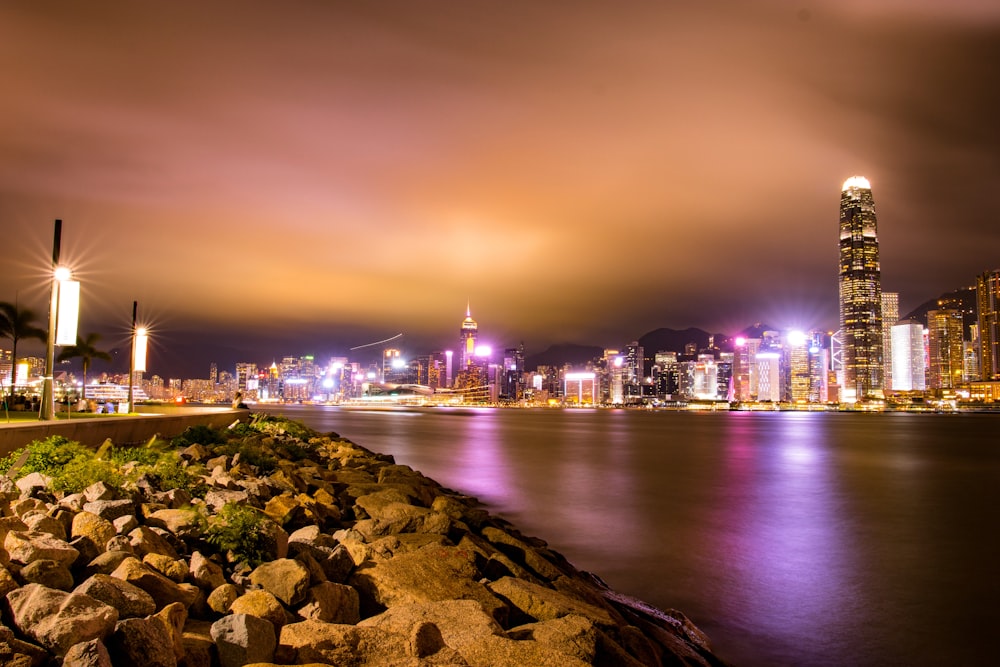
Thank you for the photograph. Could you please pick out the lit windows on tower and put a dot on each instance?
(860, 290)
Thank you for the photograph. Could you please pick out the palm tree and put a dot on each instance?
(16, 324)
(86, 349)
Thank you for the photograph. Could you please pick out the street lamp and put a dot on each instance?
(64, 309)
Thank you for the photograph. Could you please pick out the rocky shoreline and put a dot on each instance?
(269, 544)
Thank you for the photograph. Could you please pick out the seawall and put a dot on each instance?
(167, 421)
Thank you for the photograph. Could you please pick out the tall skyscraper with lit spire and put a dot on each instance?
(860, 291)
(469, 332)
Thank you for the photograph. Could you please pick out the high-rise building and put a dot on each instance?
(908, 356)
(988, 306)
(890, 315)
(944, 348)
(860, 291)
(467, 339)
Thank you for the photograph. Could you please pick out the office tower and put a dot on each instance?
(467, 339)
(908, 356)
(634, 370)
(988, 307)
(798, 367)
(768, 364)
(860, 291)
(944, 348)
(890, 315)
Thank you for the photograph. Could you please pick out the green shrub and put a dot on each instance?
(84, 470)
(240, 529)
(170, 472)
(146, 456)
(46, 456)
(199, 434)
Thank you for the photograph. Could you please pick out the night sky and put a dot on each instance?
(271, 179)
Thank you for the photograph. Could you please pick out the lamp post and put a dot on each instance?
(137, 359)
(47, 409)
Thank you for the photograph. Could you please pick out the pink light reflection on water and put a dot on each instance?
(786, 544)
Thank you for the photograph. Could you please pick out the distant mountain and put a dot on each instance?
(963, 299)
(565, 353)
(672, 340)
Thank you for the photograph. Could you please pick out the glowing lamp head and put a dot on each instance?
(740, 341)
(796, 338)
(857, 182)
(62, 273)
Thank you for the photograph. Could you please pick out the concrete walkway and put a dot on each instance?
(167, 421)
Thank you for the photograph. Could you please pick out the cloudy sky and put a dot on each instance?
(300, 177)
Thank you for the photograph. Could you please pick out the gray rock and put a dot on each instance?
(125, 524)
(106, 562)
(141, 642)
(261, 604)
(205, 573)
(92, 653)
(163, 590)
(36, 655)
(98, 491)
(430, 574)
(58, 620)
(331, 603)
(120, 543)
(110, 509)
(241, 639)
(130, 600)
(221, 599)
(27, 546)
(97, 529)
(43, 523)
(145, 540)
(333, 644)
(33, 481)
(537, 602)
(285, 578)
(216, 499)
(49, 573)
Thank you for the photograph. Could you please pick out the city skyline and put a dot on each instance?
(267, 182)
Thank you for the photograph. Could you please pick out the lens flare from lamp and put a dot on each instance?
(141, 344)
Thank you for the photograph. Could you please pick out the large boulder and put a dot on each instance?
(110, 509)
(205, 573)
(91, 653)
(331, 603)
(49, 573)
(241, 639)
(285, 578)
(58, 620)
(333, 644)
(429, 574)
(535, 602)
(26, 546)
(141, 642)
(260, 604)
(163, 590)
(130, 600)
(94, 528)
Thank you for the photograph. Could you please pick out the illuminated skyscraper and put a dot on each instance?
(468, 332)
(890, 315)
(860, 291)
(908, 356)
(988, 305)
(944, 348)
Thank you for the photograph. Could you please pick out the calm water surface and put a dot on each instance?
(790, 538)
